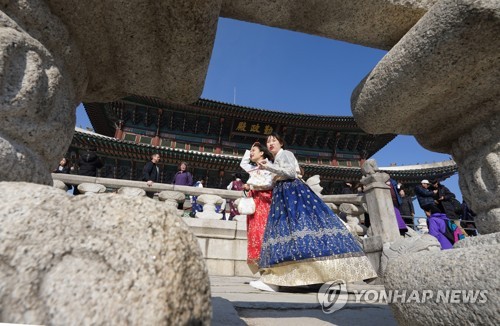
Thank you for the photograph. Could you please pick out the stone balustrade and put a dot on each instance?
(166, 190)
(156, 187)
(223, 243)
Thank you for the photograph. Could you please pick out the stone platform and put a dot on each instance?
(235, 302)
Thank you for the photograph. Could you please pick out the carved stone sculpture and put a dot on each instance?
(413, 243)
(52, 58)
(97, 260)
(443, 69)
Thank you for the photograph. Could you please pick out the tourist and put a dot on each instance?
(235, 184)
(151, 173)
(304, 241)
(445, 200)
(468, 217)
(88, 164)
(407, 209)
(348, 188)
(182, 178)
(259, 187)
(425, 195)
(195, 207)
(396, 202)
(63, 167)
(437, 226)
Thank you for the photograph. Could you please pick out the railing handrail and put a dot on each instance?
(156, 187)
(74, 179)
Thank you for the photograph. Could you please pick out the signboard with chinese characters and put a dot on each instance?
(253, 127)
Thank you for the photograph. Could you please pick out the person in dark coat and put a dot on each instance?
(63, 167)
(444, 197)
(406, 207)
(348, 188)
(88, 163)
(426, 196)
(151, 173)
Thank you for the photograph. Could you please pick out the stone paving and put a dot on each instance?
(235, 302)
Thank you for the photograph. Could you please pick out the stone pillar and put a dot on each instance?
(60, 185)
(378, 199)
(477, 154)
(208, 202)
(91, 188)
(131, 192)
(172, 198)
(39, 92)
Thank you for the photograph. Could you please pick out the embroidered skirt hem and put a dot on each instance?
(349, 269)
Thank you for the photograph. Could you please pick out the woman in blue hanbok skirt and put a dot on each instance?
(304, 241)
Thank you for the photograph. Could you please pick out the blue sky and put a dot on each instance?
(269, 68)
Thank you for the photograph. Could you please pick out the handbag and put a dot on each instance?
(246, 206)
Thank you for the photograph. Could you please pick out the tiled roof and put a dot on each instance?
(232, 110)
(130, 150)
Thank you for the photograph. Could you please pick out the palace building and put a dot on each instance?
(213, 136)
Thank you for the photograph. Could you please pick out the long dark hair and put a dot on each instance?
(280, 139)
(263, 148)
(66, 161)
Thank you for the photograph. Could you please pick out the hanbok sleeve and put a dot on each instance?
(265, 181)
(245, 162)
(285, 165)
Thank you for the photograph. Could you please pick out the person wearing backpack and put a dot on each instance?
(438, 227)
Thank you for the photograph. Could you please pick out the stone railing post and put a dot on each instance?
(91, 188)
(131, 192)
(172, 198)
(60, 185)
(352, 215)
(209, 202)
(379, 202)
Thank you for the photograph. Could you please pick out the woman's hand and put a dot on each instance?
(246, 187)
(262, 164)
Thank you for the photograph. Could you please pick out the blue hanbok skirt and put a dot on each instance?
(306, 243)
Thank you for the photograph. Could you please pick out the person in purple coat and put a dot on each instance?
(396, 201)
(182, 178)
(437, 227)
